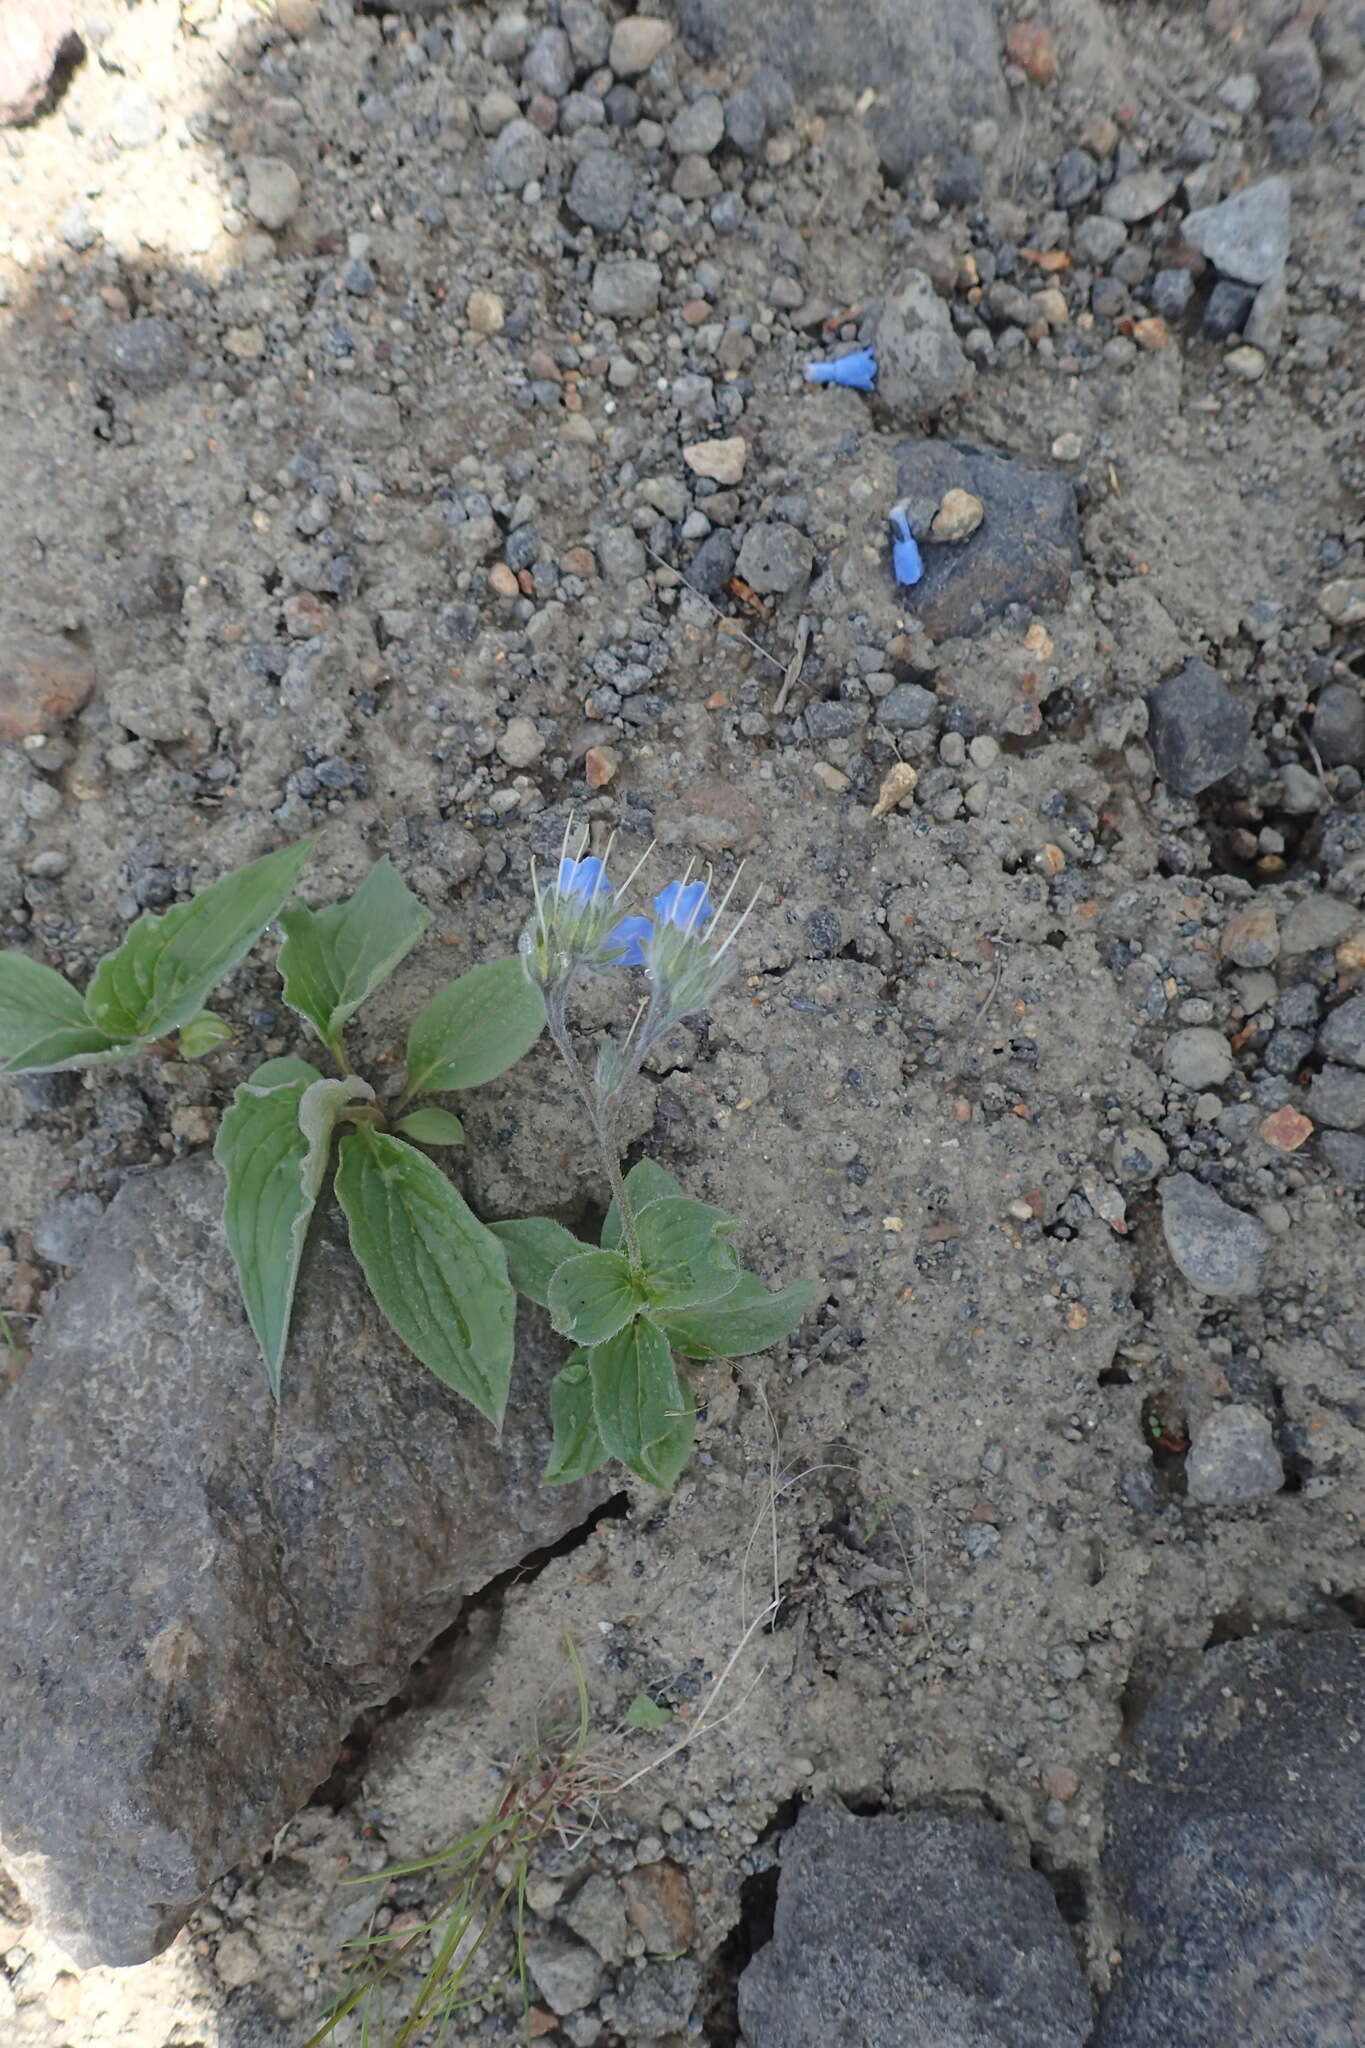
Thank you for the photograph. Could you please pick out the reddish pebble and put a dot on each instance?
(1029, 44)
(42, 681)
(502, 581)
(579, 562)
(599, 766)
(1286, 1130)
(694, 311)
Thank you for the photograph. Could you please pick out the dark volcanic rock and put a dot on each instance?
(1237, 1852)
(1199, 728)
(934, 64)
(1023, 552)
(200, 1591)
(922, 1925)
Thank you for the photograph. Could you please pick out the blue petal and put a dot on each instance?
(857, 371)
(685, 904)
(906, 561)
(625, 943)
(584, 878)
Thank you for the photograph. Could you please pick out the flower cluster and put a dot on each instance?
(578, 925)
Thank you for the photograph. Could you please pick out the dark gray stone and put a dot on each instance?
(1339, 726)
(1290, 76)
(1198, 728)
(1227, 311)
(933, 64)
(1337, 1097)
(1342, 1037)
(776, 557)
(1344, 1152)
(713, 564)
(907, 708)
(202, 1591)
(916, 1930)
(519, 156)
(1022, 553)
(1170, 293)
(625, 288)
(145, 354)
(920, 363)
(1236, 1852)
(1247, 236)
(1076, 178)
(1233, 1459)
(1219, 1249)
(602, 190)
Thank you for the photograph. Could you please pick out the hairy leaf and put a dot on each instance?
(745, 1320)
(663, 1461)
(578, 1449)
(686, 1258)
(43, 1022)
(439, 1277)
(273, 1145)
(646, 1182)
(636, 1395)
(592, 1296)
(333, 959)
(431, 1127)
(158, 978)
(477, 1027)
(202, 1034)
(536, 1249)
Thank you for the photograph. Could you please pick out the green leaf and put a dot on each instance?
(431, 1127)
(685, 1257)
(438, 1276)
(475, 1028)
(578, 1449)
(662, 1462)
(643, 1712)
(158, 978)
(43, 1022)
(273, 1145)
(536, 1249)
(592, 1296)
(202, 1034)
(747, 1319)
(646, 1182)
(636, 1394)
(333, 959)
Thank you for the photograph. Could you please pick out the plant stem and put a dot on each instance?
(601, 1129)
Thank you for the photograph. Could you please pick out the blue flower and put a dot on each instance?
(586, 879)
(858, 371)
(906, 561)
(684, 905)
(625, 943)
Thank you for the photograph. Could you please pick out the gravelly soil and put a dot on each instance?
(341, 546)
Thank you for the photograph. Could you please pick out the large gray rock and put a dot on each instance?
(1198, 727)
(920, 364)
(1023, 552)
(200, 1591)
(1237, 1852)
(1219, 1249)
(1247, 236)
(915, 1930)
(934, 65)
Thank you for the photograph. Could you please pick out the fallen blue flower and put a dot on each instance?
(858, 371)
(906, 561)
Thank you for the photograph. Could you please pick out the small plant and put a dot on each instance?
(664, 1279)
(438, 1276)
(551, 1792)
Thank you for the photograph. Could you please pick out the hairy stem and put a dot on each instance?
(602, 1129)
